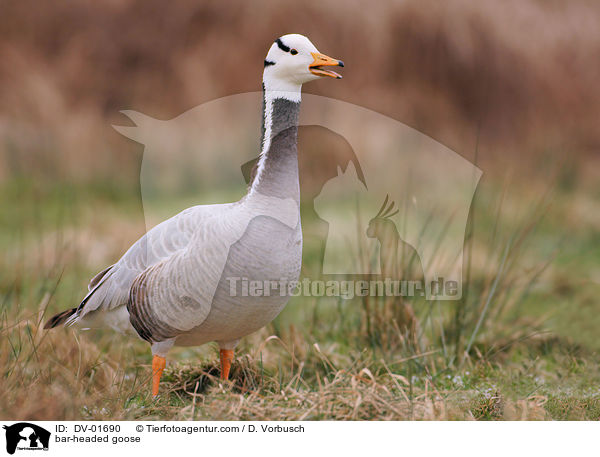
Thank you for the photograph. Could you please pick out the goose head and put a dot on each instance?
(293, 60)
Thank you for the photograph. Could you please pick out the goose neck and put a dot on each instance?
(277, 170)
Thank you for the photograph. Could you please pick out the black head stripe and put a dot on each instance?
(282, 46)
(268, 62)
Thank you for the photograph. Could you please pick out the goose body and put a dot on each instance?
(179, 283)
(188, 262)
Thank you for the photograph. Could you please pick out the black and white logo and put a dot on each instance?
(26, 436)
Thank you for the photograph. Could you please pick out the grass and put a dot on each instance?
(520, 344)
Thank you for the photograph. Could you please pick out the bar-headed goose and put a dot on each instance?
(180, 283)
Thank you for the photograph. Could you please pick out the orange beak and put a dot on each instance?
(321, 60)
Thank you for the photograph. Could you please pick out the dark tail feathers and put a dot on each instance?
(60, 318)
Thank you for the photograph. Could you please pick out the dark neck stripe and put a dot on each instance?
(264, 117)
(284, 116)
(268, 62)
(282, 46)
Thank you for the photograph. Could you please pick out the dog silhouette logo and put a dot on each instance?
(26, 436)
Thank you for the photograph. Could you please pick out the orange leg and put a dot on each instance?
(226, 359)
(158, 365)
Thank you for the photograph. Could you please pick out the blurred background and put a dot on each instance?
(520, 74)
(511, 86)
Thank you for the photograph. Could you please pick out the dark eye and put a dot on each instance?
(293, 52)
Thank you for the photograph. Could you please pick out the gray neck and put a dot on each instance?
(277, 173)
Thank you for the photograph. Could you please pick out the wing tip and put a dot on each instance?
(60, 318)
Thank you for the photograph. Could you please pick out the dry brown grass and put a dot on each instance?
(44, 376)
(66, 376)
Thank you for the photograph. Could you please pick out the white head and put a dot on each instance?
(292, 61)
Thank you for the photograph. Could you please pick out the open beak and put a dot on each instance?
(321, 60)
